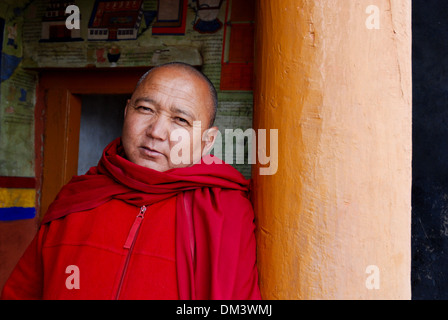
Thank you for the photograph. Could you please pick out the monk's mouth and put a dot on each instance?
(151, 152)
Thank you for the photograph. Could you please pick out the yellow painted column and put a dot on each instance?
(334, 77)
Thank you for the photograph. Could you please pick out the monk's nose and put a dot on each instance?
(159, 128)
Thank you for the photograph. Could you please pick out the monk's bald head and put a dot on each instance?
(212, 102)
(162, 117)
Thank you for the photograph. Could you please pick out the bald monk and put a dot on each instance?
(142, 224)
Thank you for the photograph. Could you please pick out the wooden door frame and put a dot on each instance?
(58, 115)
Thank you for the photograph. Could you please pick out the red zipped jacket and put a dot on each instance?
(127, 232)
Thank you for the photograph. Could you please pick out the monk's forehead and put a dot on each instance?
(172, 75)
(176, 80)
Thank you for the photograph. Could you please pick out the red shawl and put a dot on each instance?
(202, 231)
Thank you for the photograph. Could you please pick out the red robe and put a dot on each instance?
(213, 245)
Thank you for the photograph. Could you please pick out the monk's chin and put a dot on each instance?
(155, 166)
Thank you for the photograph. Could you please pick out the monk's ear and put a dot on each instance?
(126, 108)
(209, 138)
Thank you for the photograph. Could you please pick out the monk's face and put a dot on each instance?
(160, 119)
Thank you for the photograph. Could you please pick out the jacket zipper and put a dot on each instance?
(129, 245)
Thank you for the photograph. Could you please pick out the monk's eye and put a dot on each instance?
(145, 110)
(182, 121)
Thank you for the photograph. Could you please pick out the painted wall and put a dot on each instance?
(18, 221)
(17, 96)
(17, 226)
(17, 202)
(338, 212)
(430, 157)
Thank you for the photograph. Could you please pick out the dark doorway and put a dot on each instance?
(59, 108)
(101, 122)
(430, 150)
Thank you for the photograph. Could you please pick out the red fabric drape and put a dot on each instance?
(215, 243)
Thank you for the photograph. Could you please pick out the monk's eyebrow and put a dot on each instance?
(148, 100)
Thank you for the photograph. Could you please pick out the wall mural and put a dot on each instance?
(112, 33)
(54, 28)
(17, 197)
(115, 20)
(11, 48)
(171, 17)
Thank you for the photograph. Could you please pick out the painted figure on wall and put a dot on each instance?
(12, 35)
(207, 12)
(113, 55)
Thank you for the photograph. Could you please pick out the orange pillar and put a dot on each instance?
(334, 77)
